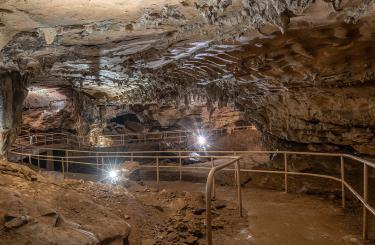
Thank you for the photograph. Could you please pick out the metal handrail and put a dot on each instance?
(121, 139)
(209, 187)
(234, 160)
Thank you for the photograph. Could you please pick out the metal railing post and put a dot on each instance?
(239, 194)
(102, 165)
(38, 159)
(97, 163)
(235, 174)
(286, 173)
(208, 208)
(131, 157)
(67, 161)
(157, 173)
(62, 167)
(21, 154)
(180, 160)
(365, 198)
(213, 179)
(342, 167)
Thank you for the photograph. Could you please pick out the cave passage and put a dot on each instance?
(201, 122)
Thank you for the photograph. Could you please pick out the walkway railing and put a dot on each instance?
(96, 159)
(122, 139)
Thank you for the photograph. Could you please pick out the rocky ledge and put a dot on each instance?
(37, 210)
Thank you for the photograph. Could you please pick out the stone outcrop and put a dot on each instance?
(337, 116)
(266, 57)
(12, 93)
(37, 210)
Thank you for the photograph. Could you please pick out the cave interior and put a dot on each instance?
(116, 114)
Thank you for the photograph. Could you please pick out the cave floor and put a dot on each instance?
(276, 217)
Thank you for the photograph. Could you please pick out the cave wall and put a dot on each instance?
(12, 94)
(290, 62)
(341, 116)
(47, 109)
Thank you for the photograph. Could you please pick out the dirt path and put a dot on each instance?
(279, 218)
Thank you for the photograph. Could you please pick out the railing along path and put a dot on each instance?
(102, 161)
(122, 139)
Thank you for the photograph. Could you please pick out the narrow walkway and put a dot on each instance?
(285, 219)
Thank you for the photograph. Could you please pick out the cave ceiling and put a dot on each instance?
(133, 51)
(301, 70)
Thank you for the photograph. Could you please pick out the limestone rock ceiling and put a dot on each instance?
(258, 54)
(111, 49)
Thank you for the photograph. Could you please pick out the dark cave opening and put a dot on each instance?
(125, 117)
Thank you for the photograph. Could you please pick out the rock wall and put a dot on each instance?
(47, 109)
(337, 116)
(12, 93)
(169, 117)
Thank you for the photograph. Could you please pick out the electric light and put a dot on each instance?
(113, 174)
(201, 140)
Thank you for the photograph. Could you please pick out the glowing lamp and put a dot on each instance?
(201, 140)
(113, 174)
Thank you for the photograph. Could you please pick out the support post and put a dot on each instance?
(180, 160)
(102, 165)
(21, 154)
(365, 198)
(38, 159)
(97, 163)
(342, 167)
(286, 173)
(235, 174)
(213, 179)
(208, 209)
(157, 173)
(62, 167)
(239, 194)
(67, 161)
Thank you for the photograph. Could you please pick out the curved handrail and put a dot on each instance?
(234, 158)
(209, 186)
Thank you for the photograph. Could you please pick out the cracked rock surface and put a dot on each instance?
(302, 71)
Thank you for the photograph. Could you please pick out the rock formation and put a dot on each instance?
(12, 94)
(302, 71)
